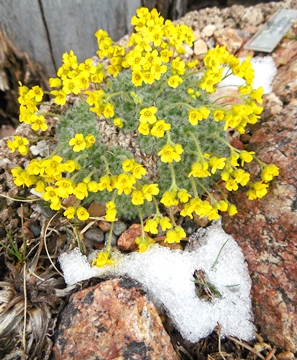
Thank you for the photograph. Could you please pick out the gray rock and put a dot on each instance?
(119, 227)
(95, 234)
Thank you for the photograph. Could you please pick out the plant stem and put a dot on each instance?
(178, 104)
(173, 184)
(108, 245)
(217, 258)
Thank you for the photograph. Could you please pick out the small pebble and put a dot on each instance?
(211, 43)
(114, 239)
(95, 234)
(104, 226)
(36, 230)
(285, 355)
(119, 227)
(197, 34)
(209, 30)
(200, 47)
(126, 241)
(190, 227)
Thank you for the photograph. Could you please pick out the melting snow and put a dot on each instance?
(167, 275)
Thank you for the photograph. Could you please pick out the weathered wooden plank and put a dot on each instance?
(23, 23)
(45, 32)
(73, 23)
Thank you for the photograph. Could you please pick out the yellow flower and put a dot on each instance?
(110, 205)
(81, 191)
(125, 184)
(269, 172)
(169, 198)
(147, 115)
(194, 116)
(55, 82)
(246, 156)
(199, 170)
(241, 177)
(149, 190)
(257, 190)
(35, 93)
(65, 187)
(213, 214)
(148, 77)
(137, 197)
(60, 97)
(138, 171)
(216, 163)
(157, 70)
(54, 167)
(102, 259)
(232, 209)
(78, 143)
(90, 140)
(118, 122)
(11, 145)
(144, 129)
(51, 194)
(137, 78)
(221, 205)
(38, 122)
(40, 186)
(151, 226)
(178, 66)
(105, 184)
(174, 81)
(165, 223)
(93, 186)
(128, 165)
(56, 206)
(108, 111)
(218, 115)
(71, 165)
(231, 185)
(143, 243)
(70, 86)
(170, 153)
(19, 143)
(183, 195)
(257, 94)
(111, 215)
(159, 128)
(82, 213)
(175, 235)
(70, 212)
(166, 55)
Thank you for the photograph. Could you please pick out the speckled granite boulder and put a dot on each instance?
(112, 320)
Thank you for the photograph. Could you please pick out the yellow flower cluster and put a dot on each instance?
(151, 89)
(28, 100)
(19, 143)
(153, 44)
(74, 77)
(79, 142)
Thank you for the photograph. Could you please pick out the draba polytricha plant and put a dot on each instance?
(148, 88)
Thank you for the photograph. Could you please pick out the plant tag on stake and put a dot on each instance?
(270, 34)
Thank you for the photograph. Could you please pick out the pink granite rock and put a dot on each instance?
(230, 38)
(112, 320)
(200, 47)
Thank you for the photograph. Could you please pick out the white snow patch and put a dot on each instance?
(265, 71)
(167, 275)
